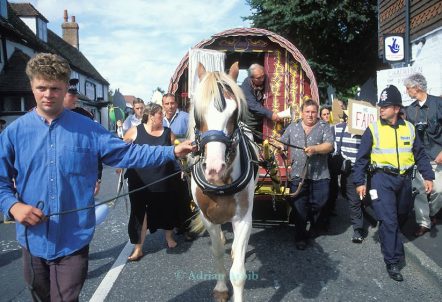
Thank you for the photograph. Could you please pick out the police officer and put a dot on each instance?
(389, 150)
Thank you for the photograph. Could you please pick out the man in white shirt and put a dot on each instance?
(134, 120)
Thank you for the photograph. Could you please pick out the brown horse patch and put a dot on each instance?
(216, 209)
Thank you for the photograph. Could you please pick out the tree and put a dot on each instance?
(337, 37)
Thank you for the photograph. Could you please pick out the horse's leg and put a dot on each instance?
(220, 292)
(241, 230)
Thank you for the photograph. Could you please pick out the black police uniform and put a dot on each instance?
(391, 190)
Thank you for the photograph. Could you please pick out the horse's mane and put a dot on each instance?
(208, 90)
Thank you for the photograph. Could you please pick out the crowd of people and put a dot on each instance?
(399, 153)
(376, 168)
(396, 158)
(57, 172)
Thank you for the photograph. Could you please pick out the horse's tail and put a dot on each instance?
(197, 225)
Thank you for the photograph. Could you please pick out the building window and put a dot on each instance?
(42, 31)
(3, 9)
(90, 90)
(15, 103)
(29, 102)
(11, 104)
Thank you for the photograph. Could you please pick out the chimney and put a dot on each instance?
(70, 30)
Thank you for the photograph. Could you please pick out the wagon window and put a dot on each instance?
(241, 76)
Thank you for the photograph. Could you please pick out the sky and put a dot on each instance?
(136, 45)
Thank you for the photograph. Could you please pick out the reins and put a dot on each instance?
(185, 170)
(304, 170)
(40, 205)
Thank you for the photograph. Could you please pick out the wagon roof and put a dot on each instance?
(284, 43)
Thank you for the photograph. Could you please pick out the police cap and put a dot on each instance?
(390, 96)
(73, 86)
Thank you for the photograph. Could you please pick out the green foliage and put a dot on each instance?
(349, 93)
(337, 37)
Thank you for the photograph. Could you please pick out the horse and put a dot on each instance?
(223, 180)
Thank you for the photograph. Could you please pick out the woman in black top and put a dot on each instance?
(154, 207)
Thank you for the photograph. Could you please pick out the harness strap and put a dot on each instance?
(214, 136)
(247, 171)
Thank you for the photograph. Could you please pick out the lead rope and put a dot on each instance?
(40, 205)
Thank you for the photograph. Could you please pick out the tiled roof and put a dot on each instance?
(27, 10)
(13, 77)
(76, 59)
(20, 32)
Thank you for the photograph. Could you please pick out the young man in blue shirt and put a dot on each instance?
(52, 154)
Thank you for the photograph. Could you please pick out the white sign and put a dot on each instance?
(361, 115)
(394, 48)
(396, 77)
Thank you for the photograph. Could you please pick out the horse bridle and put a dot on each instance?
(202, 138)
(231, 141)
(248, 169)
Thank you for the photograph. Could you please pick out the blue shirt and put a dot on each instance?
(256, 109)
(57, 164)
(178, 124)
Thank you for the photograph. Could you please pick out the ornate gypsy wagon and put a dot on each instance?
(289, 81)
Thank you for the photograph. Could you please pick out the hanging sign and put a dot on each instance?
(394, 48)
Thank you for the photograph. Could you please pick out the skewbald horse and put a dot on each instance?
(223, 180)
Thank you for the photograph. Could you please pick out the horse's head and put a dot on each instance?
(218, 105)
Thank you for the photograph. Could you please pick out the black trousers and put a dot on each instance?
(392, 201)
(56, 280)
(308, 204)
(354, 202)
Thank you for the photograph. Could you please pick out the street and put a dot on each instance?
(330, 269)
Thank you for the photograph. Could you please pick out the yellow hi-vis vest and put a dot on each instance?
(392, 147)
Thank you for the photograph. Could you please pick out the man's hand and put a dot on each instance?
(275, 117)
(362, 191)
(97, 187)
(438, 158)
(26, 214)
(310, 150)
(184, 148)
(428, 184)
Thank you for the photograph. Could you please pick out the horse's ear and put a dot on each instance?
(201, 71)
(234, 71)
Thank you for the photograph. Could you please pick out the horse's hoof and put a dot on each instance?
(221, 296)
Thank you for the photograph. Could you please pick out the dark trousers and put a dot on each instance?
(56, 280)
(308, 203)
(392, 201)
(355, 203)
(330, 204)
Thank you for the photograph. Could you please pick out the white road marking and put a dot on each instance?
(110, 278)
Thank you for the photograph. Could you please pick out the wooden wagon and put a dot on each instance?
(290, 80)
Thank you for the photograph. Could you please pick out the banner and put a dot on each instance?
(396, 77)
